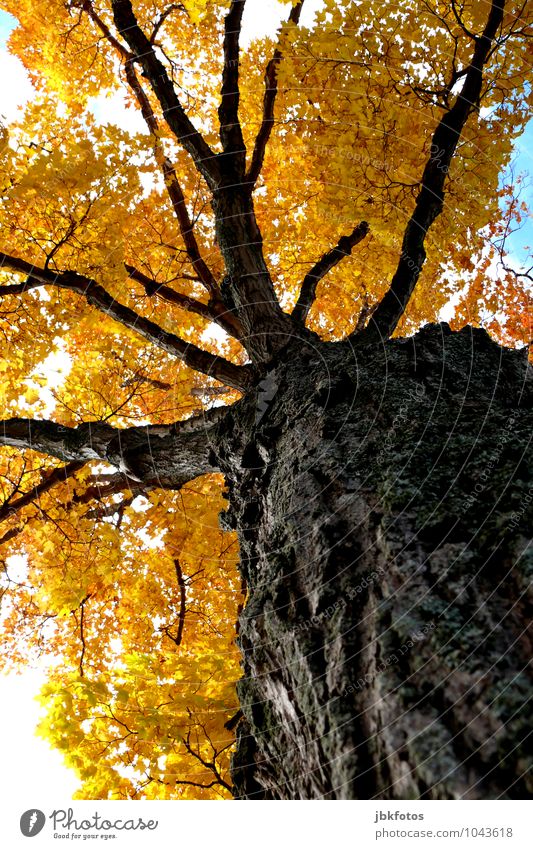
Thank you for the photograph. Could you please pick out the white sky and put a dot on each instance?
(32, 773)
(19, 89)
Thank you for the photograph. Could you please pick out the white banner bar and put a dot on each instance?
(277, 825)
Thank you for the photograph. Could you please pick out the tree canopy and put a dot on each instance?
(365, 151)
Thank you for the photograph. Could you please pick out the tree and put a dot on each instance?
(234, 291)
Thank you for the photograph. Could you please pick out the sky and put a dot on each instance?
(31, 771)
(521, 240)
(33, 766)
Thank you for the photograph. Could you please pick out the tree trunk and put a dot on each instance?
(381, 498)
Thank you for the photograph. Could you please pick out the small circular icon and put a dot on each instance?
(32, 822)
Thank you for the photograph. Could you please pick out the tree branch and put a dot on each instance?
(152, 287)
(269, 100)
(82, 631)
(105, 487)
(213, 311)
(322, 267)
(9, 535)
(175, 116)
(162, 18)
(170, 177)
(106, 511)
(97, 296)
(430, 201)
(208, 765)
(173, 187)
(228, 111)
(59, 475)
(87, 6)
(165, 456)
(257, 320)
(183, 607)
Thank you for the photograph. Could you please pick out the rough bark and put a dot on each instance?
(380, 493)
(164, 456)
(247, 289)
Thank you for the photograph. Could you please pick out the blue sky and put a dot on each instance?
(523, 162)
(7, 22)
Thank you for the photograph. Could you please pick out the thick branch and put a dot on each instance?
(22, 287)
(152, 287)
(253, 315)
(174, 113)
(228, 111)
(105, 487)
(214, 311)
(97, 296)
(181, 585)
(169, 173)
(98, 491)
(247, 289)
(166, 456)
(269, 100)
(322, 267)
(10, 534)
(173, 187)
(107, 511)
(430, 200)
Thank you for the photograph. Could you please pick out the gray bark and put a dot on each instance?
(381, 496)
(164, 456)
(247, 289)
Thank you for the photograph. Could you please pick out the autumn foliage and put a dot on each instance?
(112, 310)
